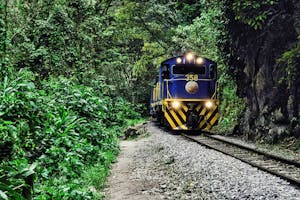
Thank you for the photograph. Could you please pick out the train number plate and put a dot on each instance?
(191, 77)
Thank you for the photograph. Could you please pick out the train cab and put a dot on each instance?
(185, 94)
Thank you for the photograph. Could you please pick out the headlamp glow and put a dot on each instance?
(178, 60)
(209, 104)
(189, 57)
(199, 61)
(175, 105)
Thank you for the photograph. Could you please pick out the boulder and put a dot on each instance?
(135, 131)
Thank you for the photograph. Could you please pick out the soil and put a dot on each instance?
(121, 185)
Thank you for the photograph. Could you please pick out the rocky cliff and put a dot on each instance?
(266, 65)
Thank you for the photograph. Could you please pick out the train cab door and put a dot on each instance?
(213, 87)
(164, 74)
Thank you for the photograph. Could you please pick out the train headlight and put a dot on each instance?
(209, 104)
(199, 61)
(192, 87)
(175, 105)
(178, 60)
(189, 57)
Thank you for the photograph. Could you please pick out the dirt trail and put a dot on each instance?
(121, 184)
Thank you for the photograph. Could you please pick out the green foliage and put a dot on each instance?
(64, 127)
(253, 13)
(205, 34)
(58, 37)
(95, 175)
(64, 115)
(232, 107)
(140, 31)
(132, 122)
(289, 57)
(3, 37)
(16, 179)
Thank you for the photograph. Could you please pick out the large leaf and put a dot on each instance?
(3, 195)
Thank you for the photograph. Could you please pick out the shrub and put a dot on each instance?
(61, 125)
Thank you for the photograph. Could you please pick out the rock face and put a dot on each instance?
(271, 88)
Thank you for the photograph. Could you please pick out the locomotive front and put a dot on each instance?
(185, 96)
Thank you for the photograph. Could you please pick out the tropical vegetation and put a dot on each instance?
(74, 73)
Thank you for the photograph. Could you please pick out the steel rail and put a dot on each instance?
(276, 157)
(276, 165)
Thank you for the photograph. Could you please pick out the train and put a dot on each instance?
(185, 93)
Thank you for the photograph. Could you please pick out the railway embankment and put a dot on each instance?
(167, 166)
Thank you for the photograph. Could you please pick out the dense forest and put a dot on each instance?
(74, 73)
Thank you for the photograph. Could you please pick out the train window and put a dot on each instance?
(186, 69)
(165, 72)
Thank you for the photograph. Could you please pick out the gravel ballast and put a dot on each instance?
(170, 167)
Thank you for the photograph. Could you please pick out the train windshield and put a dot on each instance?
(186, 69)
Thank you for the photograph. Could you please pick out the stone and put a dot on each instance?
(135, 131)
(272, 136)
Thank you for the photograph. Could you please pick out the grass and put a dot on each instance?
(287, 148)
(95, 176)
(132, 122)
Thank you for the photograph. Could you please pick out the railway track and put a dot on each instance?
(284, 168)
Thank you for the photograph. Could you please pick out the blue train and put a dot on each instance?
(185, 93)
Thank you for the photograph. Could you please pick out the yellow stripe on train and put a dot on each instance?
(177, 118)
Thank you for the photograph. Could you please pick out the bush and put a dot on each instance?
(61, 125)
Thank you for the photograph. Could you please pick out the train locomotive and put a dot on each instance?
(185, 93)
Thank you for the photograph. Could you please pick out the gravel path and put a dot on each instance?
(164, 166)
